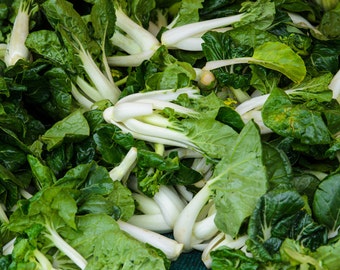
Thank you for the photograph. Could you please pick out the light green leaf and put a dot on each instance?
(239, 180)
(47, 44)
(280, 57)
(188, 12)
(107, 247)
(214, 144)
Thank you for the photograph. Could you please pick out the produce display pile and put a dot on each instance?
(142, 134)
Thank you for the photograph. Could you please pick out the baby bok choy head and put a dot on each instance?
(158, 117)
(16, 48)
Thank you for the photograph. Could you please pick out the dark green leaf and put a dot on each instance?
(72, 128)
(280, 115)
(43, 175)
(224, 258)
(326, 204)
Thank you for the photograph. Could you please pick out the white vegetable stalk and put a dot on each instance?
(140, 35)
(210, 65)
(193, 44)
(81, 98)
(88, 90)
(16, 48)
(171, 37)
(301, 22)
(139, 43)
(205, 78)
(146, 204)
(222, 239)
(156, 131)
(164, 95)
(133, 60)
(152, 222)
(184, 153)
(123, 111)
(184, 193)
(169, 203)
(45, 264)
(256, 116)
(201, 165)
(162, 104)
(125, 43)
(64, 247)
(205, 229)
(144, 137)
(171, 248)
(185, 222)
(335, 86)
(138, 114)
(25, 194)
(333, 233)
(106, 88)
(7, 249)
(125, 167)
(251, 110)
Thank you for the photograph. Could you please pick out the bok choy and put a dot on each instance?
(141, 134)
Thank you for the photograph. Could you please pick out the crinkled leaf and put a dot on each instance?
(188, 12)
(9, 187)
(11, 157)
(112, 143)
(61, 14)
(108, 245)
(260, 13)
(314, 89)
(225, 258)
(103, 19)
(47, 44)
(140, 11)
(324, 56)
(271, 220)
(215, 144)
(55, 205)
(264, 80)
(122, 198)
(288, 120)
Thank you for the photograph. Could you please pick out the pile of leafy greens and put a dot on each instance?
(134, 131)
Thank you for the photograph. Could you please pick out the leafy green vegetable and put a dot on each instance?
(225, 113)
(240, 179)
(298, 121)
(286, 61)
(278, 216)
(325, 204)
(225, 258)
(72, 128)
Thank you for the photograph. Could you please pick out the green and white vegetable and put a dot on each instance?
(137, 134)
